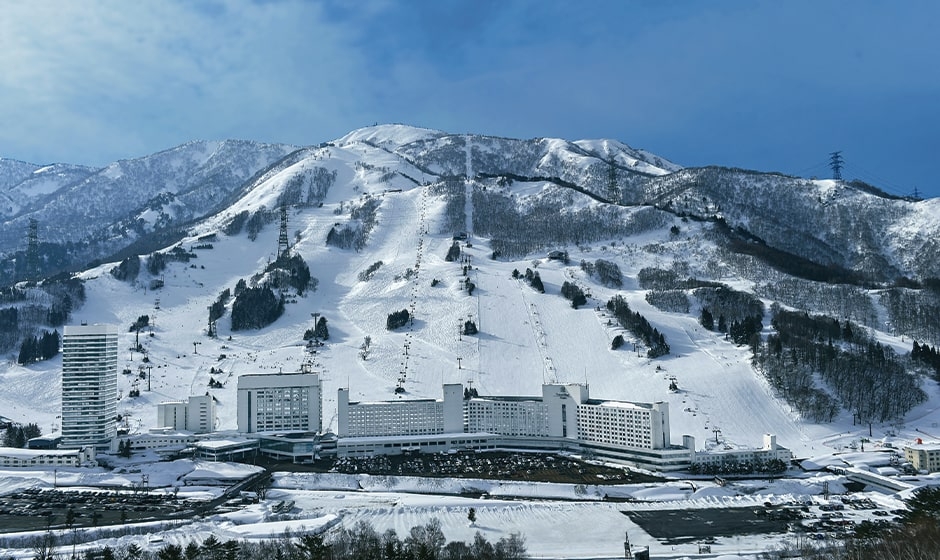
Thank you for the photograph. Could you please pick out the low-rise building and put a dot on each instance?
(16, 457)
(163, 441)
(923, 456)
(226, 449)
(196, 414)
(770, 451)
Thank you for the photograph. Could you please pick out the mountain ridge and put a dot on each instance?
(395, 209)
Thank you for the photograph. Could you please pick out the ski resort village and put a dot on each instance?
(405, 340)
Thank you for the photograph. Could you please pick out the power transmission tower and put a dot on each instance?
(613, 193)
(282, 240)
(835, 162)
(32, 250)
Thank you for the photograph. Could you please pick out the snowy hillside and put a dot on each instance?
(401, 208)
(27, 186)
(85, 213)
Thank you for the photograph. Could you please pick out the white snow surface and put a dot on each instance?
(526, 339)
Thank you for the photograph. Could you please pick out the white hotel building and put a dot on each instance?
(401, 418)
(196, 414)
(563, 418)
(279, 402)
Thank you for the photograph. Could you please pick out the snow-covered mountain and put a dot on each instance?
(89, 213)
(374, 215)
(86, 214)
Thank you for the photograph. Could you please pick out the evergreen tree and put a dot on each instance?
(35, 349)
(31, 430)
(256, 308)
(156, 263)
(573, 293)
(49, 344)
(923, 504)
(536, 282)
(170, 552)
(313, 547)
(128, 270)
(706, 319)
(9, 436)
(28, 352)
(453, 253)
(321, 331)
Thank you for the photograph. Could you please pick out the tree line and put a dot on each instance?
(532, 279)
(16, 435)
(927, 355)
(423, 542)
(639, 326)
(27, 308)
(865, 377)
(516, 231)
(38, 348)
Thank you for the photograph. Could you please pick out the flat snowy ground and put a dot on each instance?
(557, 520)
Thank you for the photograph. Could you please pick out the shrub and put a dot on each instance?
(128, 270)
(397, 319)
(367, 274)
(617, 342)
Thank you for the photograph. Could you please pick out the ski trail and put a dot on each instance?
(469, 165)
(468, 202)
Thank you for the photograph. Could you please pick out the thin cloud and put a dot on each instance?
(754, 84)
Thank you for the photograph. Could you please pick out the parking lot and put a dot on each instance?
(819, 520)
(679, 526)
(490, 465)
(32, 509)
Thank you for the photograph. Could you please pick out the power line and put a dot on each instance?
(869, 176)
(814, 167)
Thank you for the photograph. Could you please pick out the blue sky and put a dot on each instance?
(773, 86)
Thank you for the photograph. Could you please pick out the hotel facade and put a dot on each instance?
(279, 402)
(564, 417)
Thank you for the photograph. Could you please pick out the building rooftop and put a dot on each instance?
(506, 398)
(31, 453)
(619, 404)
(934, 446)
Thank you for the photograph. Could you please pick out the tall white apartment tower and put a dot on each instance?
(89, 385)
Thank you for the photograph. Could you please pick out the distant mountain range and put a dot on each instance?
(847, 230)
